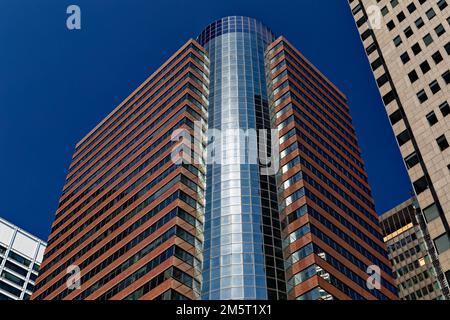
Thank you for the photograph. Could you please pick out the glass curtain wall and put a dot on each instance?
(241, 254)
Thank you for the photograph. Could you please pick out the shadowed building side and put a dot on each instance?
(130, 219)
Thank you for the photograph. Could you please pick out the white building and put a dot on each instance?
(20, 258)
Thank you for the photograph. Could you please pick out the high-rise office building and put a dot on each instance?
(407, 242)
(408, 46)
(20, 258)
(129, 222)
(331, 235)
(137, 225)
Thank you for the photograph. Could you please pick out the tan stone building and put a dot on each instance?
(408, 46)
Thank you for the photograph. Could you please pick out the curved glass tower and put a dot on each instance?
(240, 262)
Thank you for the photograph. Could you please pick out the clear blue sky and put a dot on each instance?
(56, 84)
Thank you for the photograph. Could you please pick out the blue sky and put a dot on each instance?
(56, 84)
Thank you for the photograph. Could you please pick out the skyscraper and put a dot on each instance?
(409, 252)
(408, 47)
(129, 222)
(135, 224)
(331, 236)
(20, 259)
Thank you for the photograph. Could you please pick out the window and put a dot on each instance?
(440, 30)
(420, 185)
(18, 258)
(4, 298)
(428, 39)
(361, 21)
(10, 289)
(356, 9)
(376, 64)
(416, 49)
(391, 25)
(382, 80)
(411, 7)
(394, 3)
(442, 243)
(12, 278)
(447, 48)
(419, 23)
(413, 77)
(432, 119)
(431, 213)
(445, 109)
(401, 16)
(397, 41)
(408, 32)
(430, 14)
(437, 57)
(425, 67)
(419, 293)
(366, 34)
(30, 287)
(422, 96)
(446, 76)
(35, 267)
(16, 268)
(395, 117)
(403, 137)
(384, 10)
(412, 160)
(435, 87)
(371, 48)
(388, 98)
(405, 58)
(442, 142)
(33, 277)
(442, 4)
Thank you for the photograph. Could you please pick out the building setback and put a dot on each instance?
(20, 258)
(406, 239)
(139, 226)
(408, 47)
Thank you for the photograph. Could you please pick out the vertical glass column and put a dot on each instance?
(234, 264)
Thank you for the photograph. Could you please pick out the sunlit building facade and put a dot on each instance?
(407, 43)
